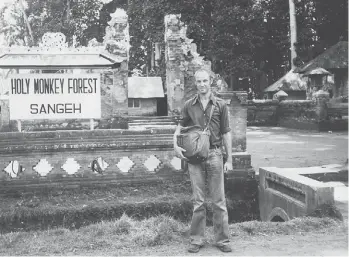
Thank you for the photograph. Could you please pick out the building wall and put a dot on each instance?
(148, 107)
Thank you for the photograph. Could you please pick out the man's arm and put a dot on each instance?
(226, 136)
(179, 150)
(228, 166)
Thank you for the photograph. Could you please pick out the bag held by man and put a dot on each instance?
(196, 141)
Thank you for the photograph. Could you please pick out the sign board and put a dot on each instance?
(54, 96)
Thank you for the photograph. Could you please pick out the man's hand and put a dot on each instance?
(179, 152)
(228, 166)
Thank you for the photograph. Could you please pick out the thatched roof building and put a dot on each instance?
(334, 60)
(336, 57)
(292, 83)
(317, 71)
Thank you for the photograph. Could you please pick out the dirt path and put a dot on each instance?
(318, 243)
(281, 147)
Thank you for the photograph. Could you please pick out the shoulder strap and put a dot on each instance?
(209, 120)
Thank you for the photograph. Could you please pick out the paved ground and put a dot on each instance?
(281, 147)
(291, 148)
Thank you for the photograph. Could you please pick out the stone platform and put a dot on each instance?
(286, 193)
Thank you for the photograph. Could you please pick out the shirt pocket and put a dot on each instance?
(216, 115)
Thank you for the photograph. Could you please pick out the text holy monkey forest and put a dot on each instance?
(49, 86)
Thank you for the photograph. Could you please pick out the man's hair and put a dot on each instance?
(204, 70)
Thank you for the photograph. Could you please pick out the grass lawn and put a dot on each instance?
(128, 236)
(76, 208)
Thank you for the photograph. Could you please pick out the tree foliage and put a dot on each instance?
(242, 38)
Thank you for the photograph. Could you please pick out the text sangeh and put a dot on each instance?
(58, 108)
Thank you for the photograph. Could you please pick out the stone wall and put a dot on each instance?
(65, 158)
(301, 114)
(316, 114)
(262, 112)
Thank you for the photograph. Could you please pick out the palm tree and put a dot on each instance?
(293, 31)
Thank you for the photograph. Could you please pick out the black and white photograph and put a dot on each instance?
(174, 128)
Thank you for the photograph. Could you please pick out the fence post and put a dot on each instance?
(19, 125)
(91, 124)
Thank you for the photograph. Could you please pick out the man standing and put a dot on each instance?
(196, 111)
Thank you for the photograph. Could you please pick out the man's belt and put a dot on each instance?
(214, 146)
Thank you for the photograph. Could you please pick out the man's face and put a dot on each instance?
(203, 82)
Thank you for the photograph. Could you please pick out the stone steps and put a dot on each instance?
(88, 140)
(156, 144)
(141, 123)
(82, 134)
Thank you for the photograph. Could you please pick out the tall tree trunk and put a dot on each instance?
(293, 31)
(68, 11)
(27, 22)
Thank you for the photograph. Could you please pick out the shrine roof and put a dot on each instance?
(291, 81)
(335, 57)
(58, 60)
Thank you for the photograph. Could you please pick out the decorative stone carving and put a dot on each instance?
(117, 39)
(98, 165)
(71, 166)
(54, 40)
(242, 96)
(43, 167)
(176, 163)
(152, 163)
(125, 164)
(13, 169)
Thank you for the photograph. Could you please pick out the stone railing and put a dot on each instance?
(262, 112)
(68, 159)
(299, 114)
(287, 193)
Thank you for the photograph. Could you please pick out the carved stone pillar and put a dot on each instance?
(322, 98)
(174, 31)
(116, 42)
(182, 61)
(237, 105)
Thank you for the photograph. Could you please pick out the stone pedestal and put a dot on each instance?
(237, 105)
(322, 98)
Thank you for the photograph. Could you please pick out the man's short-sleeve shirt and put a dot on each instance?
(194, 114)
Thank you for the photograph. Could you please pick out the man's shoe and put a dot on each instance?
(224, 248)
(193, 248)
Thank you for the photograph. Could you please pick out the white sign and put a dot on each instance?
(54, 96)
